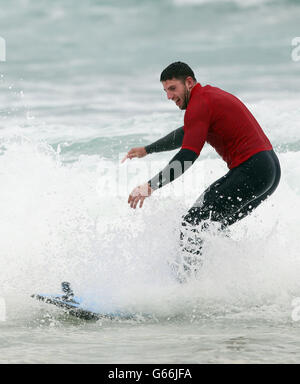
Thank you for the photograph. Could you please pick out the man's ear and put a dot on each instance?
(189, 82)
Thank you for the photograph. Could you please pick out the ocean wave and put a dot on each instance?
(56, 225)
(239, 3)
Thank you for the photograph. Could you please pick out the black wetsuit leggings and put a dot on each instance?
(236, 194)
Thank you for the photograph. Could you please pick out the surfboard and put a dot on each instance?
(73, 305)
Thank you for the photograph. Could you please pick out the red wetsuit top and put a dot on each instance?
(222, 120)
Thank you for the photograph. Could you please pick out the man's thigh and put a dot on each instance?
(221, 200)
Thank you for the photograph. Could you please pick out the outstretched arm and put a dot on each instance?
(172, 141)
(176, 167)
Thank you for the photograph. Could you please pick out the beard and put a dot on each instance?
(186, 98)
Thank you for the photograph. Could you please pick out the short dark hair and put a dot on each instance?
(177, 70)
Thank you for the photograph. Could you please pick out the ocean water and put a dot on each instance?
(79, 88)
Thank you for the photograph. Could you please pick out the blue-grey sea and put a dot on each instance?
(79, 88)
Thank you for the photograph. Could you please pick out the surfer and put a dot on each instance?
(223, 121)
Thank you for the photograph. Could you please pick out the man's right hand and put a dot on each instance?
(135, 152)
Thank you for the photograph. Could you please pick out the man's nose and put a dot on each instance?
(169, 95)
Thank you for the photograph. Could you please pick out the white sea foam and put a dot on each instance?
(55, 227)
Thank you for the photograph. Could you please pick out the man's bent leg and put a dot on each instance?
(193, 226)
(226, 201)
(248, 208)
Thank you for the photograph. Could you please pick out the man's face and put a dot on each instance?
(178, 91)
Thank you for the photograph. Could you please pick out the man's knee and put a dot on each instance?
(197, 216)
(193, 217)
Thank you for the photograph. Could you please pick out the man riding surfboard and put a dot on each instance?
(223, 121)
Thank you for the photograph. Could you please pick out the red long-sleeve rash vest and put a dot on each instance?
(222, 120)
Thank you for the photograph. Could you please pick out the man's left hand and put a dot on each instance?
(139, 194)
